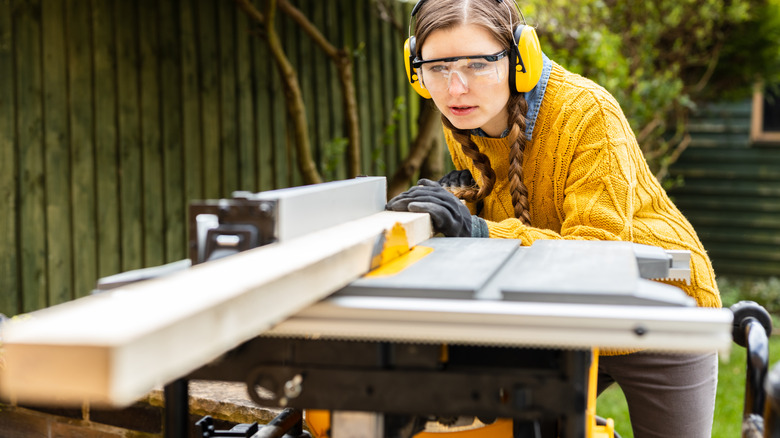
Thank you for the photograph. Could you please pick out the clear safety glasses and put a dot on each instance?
(472, 71)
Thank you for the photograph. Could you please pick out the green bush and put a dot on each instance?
(661, 58)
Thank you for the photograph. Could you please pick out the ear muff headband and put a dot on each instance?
(526, 60)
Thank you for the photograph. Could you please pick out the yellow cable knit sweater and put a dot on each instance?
(587, 179)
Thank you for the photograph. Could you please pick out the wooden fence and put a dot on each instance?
(731, 191)
(115, 114)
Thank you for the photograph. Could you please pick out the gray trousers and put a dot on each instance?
(668, 395)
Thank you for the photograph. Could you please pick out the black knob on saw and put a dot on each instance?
(744, 311)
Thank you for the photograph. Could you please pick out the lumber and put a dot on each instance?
(113, 348)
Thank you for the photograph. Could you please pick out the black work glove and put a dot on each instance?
(448, 215)
(458, 178)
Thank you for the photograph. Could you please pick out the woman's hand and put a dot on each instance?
(448, 214)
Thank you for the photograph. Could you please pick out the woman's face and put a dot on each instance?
(474, 105)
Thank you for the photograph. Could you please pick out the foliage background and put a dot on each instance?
(661, 59)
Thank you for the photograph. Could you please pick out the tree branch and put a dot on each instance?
(343, 62)
(292, 90)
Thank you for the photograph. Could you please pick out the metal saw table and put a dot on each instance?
(474, 328)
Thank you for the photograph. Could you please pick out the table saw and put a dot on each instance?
(375, 329)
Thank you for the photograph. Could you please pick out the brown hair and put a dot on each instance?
(499, 19)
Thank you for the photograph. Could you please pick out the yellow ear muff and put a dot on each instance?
(526, 60)
(411, 74)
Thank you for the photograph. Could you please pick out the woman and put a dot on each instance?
(554, 158)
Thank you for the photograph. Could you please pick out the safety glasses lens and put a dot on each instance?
(469, 72)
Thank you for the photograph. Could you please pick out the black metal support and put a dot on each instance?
(287, 424)
(752, 324)
(772, 411)
(177, 409)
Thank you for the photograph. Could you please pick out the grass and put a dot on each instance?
(731, 372)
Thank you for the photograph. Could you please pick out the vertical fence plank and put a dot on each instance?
(378, 105)
(151, 142)
(9, 276)
(390, 95)
(288, 39)
(82, 147)
(27, 25)
(130, 158)
(228, 139)
(262, 84)
(317, 67)
(106, 146)
(190, 102)
(209, 68)
(354, 38)
(279, 122)
(175, 202)
(58, 175)
(247, 146)
(401, 84)
(339, 12)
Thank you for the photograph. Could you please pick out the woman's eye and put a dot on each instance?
(477, 66)
(438, 68)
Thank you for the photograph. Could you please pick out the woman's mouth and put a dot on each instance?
(462, 110)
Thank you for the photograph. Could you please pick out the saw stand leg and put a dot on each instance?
(177, 409)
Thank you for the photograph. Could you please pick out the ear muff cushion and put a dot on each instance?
(528, 49)
(411, 74)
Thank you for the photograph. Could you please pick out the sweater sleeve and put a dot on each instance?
(595, 172)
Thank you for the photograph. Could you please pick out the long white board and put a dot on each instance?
(113, 348)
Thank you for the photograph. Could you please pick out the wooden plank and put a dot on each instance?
(733, 219)
(82, 147)
(719, 187)
(743, 235)
(190, 105)
(228, 135)
(175, 201)
(207, 35)
(151, 141)
(703, 157)
(123, 346)
(247, 145)
(401, 89)
(288, 35)
(318, 68)
(379, 108)
(9, 276)
(388, 48)
(723, 203)
(106, 139)
(743, 267)
(32, 202)
(767, 172)
(362, 83)
(130, 159)
(57, 145)
(263, 78)
(337, 118)
(279, 123)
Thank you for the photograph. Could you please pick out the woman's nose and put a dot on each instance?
(458, 84)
